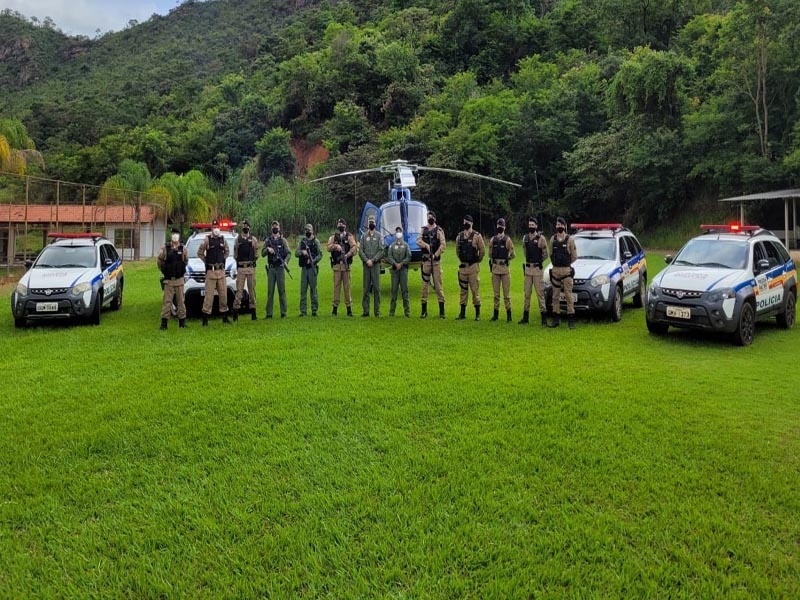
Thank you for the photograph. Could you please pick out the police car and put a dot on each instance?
(74, 276)
(611, 267)
(725, 280)
(194, 288)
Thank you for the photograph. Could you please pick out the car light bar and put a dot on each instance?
(226, 225)
(612, 226)
(732, 228)
(64, 236)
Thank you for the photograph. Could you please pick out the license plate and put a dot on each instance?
(47, 307)
(679, 312)
(562, 298)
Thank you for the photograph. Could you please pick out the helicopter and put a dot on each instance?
(401, 210)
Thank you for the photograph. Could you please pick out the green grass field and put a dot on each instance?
(395, 458)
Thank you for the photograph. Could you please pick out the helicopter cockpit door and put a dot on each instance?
(370, 210)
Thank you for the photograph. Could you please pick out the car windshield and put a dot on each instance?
(193, 245)
(595, 248)
(67, 257)
(711, 252)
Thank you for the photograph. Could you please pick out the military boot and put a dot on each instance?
(441, 310)
(182, 323)
(350, 311)
(508, 315)
(225, 318)
(463, 314)
(478, 312)
(335, 310)
(163, 324)
(205, 320)
(253, 316)
(524, 319)
(571, 321)
(424, 313)
(495, 315)
(235, 315)
(556, 321)
(544, 319)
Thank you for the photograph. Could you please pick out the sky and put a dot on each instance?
(85, 17)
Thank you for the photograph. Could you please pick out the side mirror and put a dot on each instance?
(627, 255)
(28, 264)
(762, 265)
(109, 262)
(668, 259)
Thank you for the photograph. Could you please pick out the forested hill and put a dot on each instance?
(600, 108)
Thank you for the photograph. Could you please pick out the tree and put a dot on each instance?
(188, 197)
(17, 149)
(274, 154)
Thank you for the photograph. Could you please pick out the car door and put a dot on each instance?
(370, 210)
(769, 280)
(627, 260)
(107, 265)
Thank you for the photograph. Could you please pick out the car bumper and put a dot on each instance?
(587, 299)
(61, 307)
(701, 315)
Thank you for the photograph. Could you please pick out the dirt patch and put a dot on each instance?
(307, 155)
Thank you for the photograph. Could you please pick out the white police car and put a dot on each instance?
(75, 276)
(194, 288)
(611, 267)
(725, 280)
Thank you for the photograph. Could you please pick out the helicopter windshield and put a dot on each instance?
(390, 217)
(417, 216)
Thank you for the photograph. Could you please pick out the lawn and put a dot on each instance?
(395, 458)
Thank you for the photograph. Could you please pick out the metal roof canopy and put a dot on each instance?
(786, 195)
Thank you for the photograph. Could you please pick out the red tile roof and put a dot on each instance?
(71, 214)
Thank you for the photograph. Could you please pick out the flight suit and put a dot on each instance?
(371, 249)
(398, 255)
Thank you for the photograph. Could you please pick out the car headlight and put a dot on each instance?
(81, 288)
(654, 290)
(22, 289)
(720, 295)
(600, 280)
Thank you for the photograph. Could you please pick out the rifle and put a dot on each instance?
(282, 263)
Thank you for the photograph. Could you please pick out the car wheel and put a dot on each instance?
(94, 319)
(746, 331)
(19, 323)
(639, 298)
(116, 303)
(787, 317)
(657, 328)
(616, 305)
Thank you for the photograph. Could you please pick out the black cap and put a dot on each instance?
(561, 221)
(175, 230)
(245, 223)
(501, 222)
(215, 222)
(468, 218)
(341, 222)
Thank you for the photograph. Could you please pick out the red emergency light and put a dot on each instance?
(64, 236)
(612, 226)
(733, 228)
(226, 225)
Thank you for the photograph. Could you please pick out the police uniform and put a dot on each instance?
(309, 253)
(276, 249)
(501, 252)
(432, 242)
(214, 251)
(342, 246)
(470, 249)
(563, 254)
(535, 246)
(244, 252)
(370, 251)
(172, 261)
(398, 255)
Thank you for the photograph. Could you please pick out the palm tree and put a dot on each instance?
(16, 147)
(189, 197)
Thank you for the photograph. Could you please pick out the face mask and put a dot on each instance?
(176, 237)
(467, 226)
(399, 235)
(372, 226)
(215, 231)
(274, 230)
(560, 229)
(501, 229)
(246, 230)
(308, 234)
(431, 221)
(532, 229)
(341, 228)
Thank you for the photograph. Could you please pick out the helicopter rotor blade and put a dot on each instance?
(377, 169)
(468, 174)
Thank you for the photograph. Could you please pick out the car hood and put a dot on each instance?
(57, 278)
(587, 268)
(198, 265)
(699, 279)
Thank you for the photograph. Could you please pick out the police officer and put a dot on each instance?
(370, 251)
(470, 249)
(214, 251)
(244, 252)
(398, 255)
(564, 254)
(432, 243)
(276, 249)
(501, 252)
(172, 261)
(342, 246)
(309, 252)
(535, 246)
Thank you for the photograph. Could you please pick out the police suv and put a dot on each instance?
(194, 289)
(611, 267)
(74, 276)
(725, 280)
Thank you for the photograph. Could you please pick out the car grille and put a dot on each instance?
(681, 294)
(579, 281)
(48, 291)
(198, 277)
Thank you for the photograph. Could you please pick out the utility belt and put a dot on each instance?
(533, 265)
(215, 267)
(435, 258)
(309, 266)
(467, 265)
(247, 265)
(499, 261)
(275, 266)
